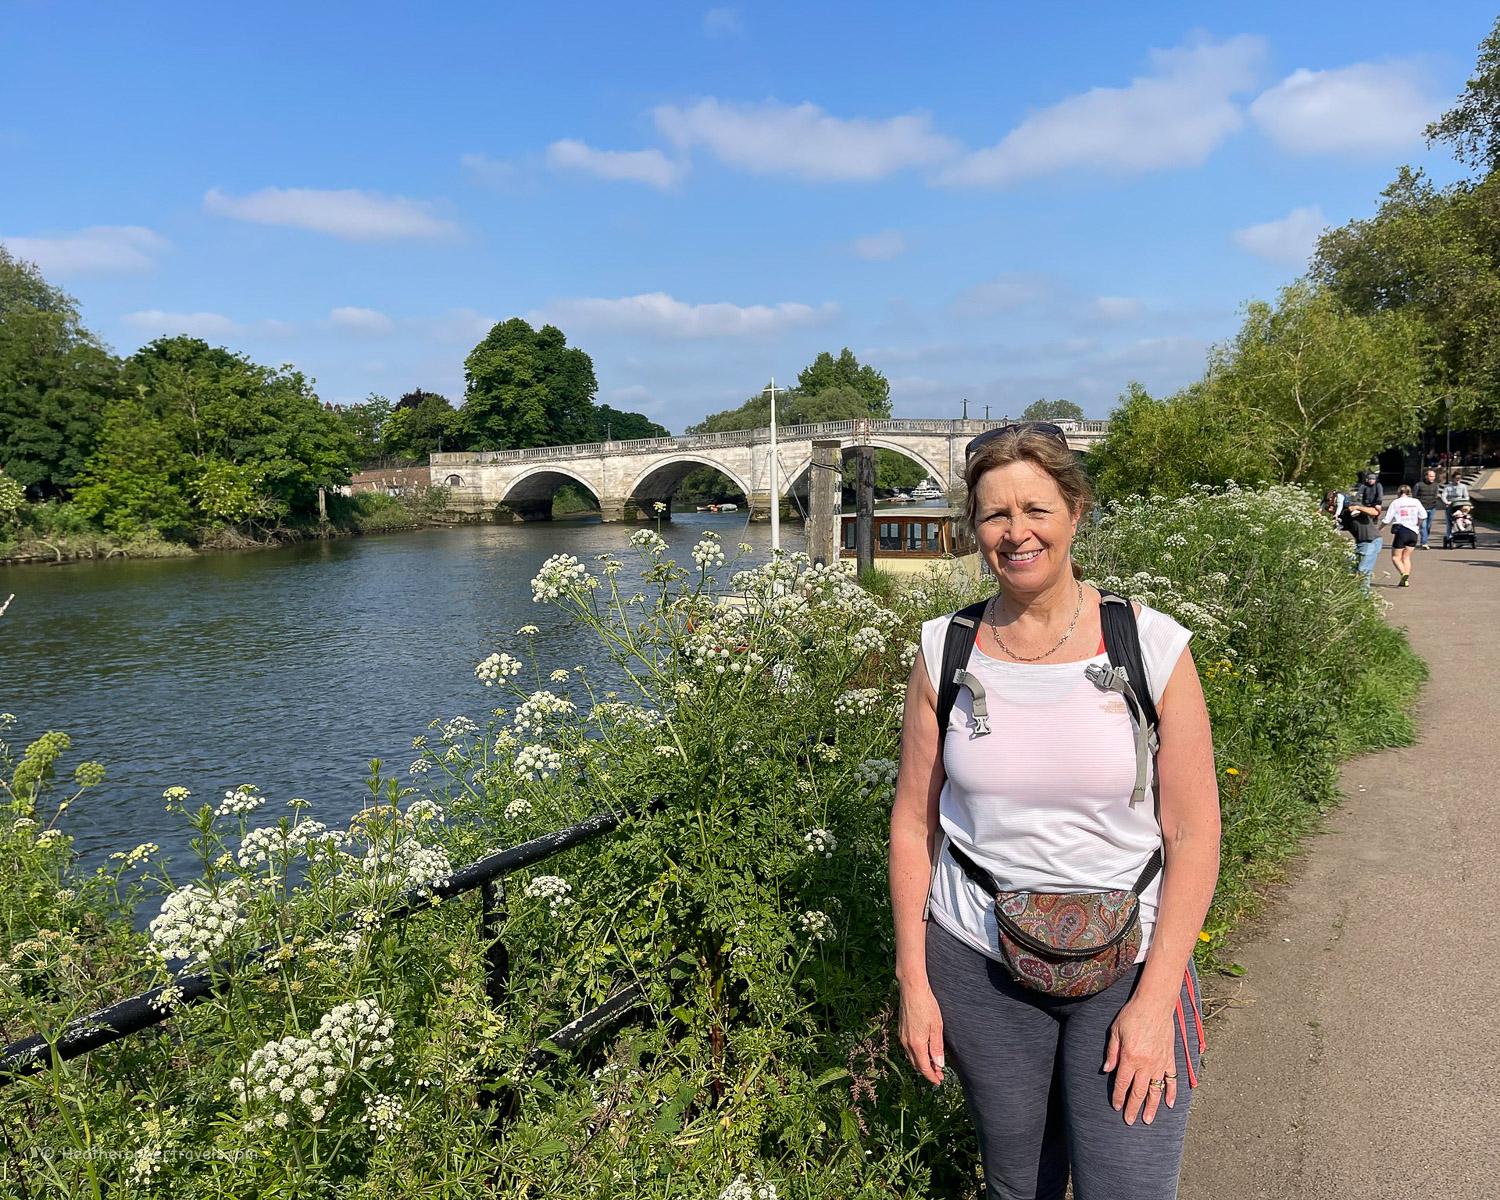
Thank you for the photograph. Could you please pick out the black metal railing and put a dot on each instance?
(135, 1013)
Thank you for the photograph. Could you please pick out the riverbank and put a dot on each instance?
(1357, 1055)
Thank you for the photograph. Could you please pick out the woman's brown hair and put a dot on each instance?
(1046, 451)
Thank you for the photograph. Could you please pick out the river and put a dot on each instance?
(287, 668)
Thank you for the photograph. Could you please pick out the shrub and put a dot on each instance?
(752, 759)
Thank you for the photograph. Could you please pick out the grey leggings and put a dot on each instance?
(1030, 1066)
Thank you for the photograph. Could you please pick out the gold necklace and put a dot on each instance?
(995, 630)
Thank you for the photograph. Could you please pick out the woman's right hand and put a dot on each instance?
(922, 1031)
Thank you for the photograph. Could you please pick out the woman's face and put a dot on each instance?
(1024, 527)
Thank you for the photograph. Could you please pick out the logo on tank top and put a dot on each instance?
(1114, 705)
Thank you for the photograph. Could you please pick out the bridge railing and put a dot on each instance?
(744, 437)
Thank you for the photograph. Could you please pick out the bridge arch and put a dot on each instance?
(530, 493)
(660, 480)
(797, 479)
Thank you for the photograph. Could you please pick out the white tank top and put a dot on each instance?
(1043, 802)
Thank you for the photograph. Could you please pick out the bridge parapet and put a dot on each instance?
(1081, 433)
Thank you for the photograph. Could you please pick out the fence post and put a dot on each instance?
(496, 953)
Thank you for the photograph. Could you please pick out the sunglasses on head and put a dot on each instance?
(990, 435)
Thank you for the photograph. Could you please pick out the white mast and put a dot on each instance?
(775, 479)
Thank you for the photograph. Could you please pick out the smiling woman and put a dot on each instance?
(1084, 957)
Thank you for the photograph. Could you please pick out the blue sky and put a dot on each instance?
(991, 201)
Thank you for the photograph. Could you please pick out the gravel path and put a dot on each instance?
(1360, 1056)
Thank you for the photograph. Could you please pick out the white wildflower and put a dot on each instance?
(537, 762)
(497, 667)
(820, 841)
(237, 801)
(817, 925)
(553, 889)
(194, 924)
(517, 808)
(558, 574)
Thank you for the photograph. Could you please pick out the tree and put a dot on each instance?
(1472, 126)
(826, 372)
(527, 387)
(421, 424)
(1052, 410)
(365, 424)
(1307, 392)
(624, 426)
(188, 411)
(55, 379)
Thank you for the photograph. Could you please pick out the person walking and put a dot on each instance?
(1358, 514)
(1455, 496)
(1407, 515)
(1059, 808)
(1429, 494)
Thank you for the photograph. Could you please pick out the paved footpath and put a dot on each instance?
(1363, 1058)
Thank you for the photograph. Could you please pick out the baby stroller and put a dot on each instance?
(1460, 528)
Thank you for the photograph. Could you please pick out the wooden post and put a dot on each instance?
(864, 508)
(322, 507)
(823, 484)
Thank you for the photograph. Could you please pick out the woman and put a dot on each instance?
(1093, 1085)
(1407, 515)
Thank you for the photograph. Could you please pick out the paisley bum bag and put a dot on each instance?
(1066, 943)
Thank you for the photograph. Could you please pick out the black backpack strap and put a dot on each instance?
(963, 631)
(1122, 642)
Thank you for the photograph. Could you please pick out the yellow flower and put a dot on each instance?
(1203, 937)
(1230, 771)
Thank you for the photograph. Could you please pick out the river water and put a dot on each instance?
(287, 668)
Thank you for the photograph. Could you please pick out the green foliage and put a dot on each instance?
(12, 501)
(55, 377)
(527, 387)
(421, 424)
(750, 902)
(365, 425)
(1472, 126)
(613, 424)
(826, 372)
(1432, 256)
(1306, 392)
(1052, 410)
(200, 434)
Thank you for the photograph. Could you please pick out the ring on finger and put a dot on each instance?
(1170, 1078)
(1156, 1084)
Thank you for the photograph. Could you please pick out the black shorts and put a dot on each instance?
(1403, 538)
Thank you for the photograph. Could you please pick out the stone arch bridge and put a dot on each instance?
(630, 477)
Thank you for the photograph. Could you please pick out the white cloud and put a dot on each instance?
(1117, 308)
(461, 326)
(352, 214)
(657, 314)
(1366, 108)
(803, 139)
(360, 320)
(882, 246)
(723, 22)
(1290, 240)
(206, 325)
(634, 166)
(1011, 291)
(199, 324)
(98, 250)
(1173, 117)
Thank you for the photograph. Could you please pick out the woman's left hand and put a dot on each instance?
(1139, 1050)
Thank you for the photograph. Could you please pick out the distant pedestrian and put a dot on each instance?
(1360, 519)
(1455, 496)
(1429, 494)
(1407, 515)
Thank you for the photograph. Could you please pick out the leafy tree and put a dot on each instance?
(1472, 126)
(12, 500)
(527, 387)
(624, 426)
(189, 411)
(365, 424)
(845, 371)
(1306, 392)
(422, 423)
(1434, 256)
(55, 379)
(1052, 410)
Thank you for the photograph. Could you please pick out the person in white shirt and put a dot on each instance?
(1406, 515)
(1054, 1086)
